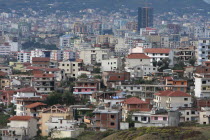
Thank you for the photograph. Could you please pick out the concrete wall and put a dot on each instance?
(124, 125)
(148, 125)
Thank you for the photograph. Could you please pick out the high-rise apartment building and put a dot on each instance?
(145, 17)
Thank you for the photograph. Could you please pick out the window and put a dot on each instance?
(143, 118)
(192, 112)
(131, 88)
(186, 99)
(67, 64)
(156, 118)
(165, 118)
(136, 118)
(112, 116)
(73, 64)
(63, 64)
(203, 82)
(182, 83)
(188, 113)
(112, 123)
(185, 105)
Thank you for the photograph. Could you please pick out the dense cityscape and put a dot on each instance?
(93, 73)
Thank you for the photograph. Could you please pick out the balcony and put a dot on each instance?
(82, 93)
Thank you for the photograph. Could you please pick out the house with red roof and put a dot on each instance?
(136, 59)
(35, 108)
(172, 99)
(20, 128)
(134, 104)
(25, 96)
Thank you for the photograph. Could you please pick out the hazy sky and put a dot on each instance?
(207, 1)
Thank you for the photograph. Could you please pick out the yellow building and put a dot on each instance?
(17, 66)
(53, 111)
(4, 83)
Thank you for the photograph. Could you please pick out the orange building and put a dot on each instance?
(175, 84)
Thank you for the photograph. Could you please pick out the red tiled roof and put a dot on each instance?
(29, 89)
(35, 105)
(20, 118)
(157, 50)
(41, 59)
(173, 93)
(133, 100)
(43, 75)
(138, 56)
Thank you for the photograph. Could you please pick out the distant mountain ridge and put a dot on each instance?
(76, 5)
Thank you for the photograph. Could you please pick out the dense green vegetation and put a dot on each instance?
(60, 98)
(32, 45)
(3, 120)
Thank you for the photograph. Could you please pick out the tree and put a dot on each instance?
(96, 70)
(179, 66)
(192, 61)
(83, 76)
(97, 77)
(155, 63)
(60, 98)
(163, 64)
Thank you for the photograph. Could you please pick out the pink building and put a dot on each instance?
(85, 87)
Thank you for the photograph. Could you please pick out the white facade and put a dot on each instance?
(21, 128)
(202, 86)
(111, 64)
(66, 41)
(203, 50)
(23, 56)
(141, 70)
(20, 107)
(172, 102)
(130, 63)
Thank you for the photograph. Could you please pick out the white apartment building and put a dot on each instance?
(141, 70)
(202, 82)
(66, 41)
(203, 50)
(204, 115)
(23, 56)
(136, 59)
(18, 99)
(94, 55)
(172, 99)
(20, 128)
(111, 64)
(157, 54)
(8, 47)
